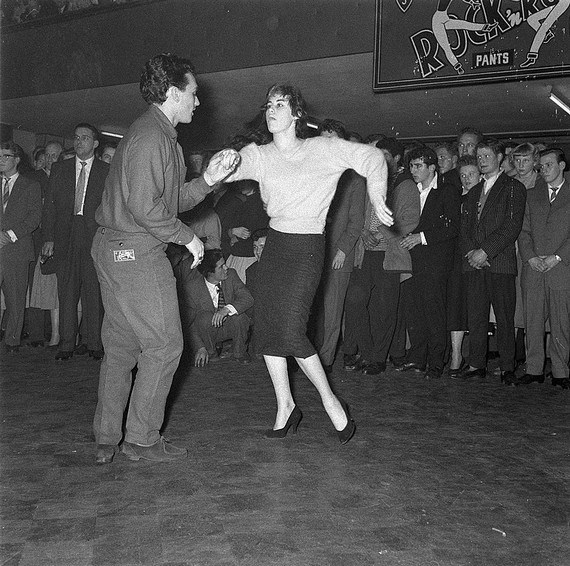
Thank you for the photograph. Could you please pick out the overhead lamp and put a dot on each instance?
(559, 102)
(112, 135)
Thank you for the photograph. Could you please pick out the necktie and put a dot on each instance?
(5, 192)
(221, 299)
(553, 194)
(80, 190)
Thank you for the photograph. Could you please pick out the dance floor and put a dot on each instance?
(439, 473)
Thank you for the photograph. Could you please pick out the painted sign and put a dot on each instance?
(433, 43)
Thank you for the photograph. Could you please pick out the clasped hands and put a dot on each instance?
(543, 263)
(221, 165)
(477, 259)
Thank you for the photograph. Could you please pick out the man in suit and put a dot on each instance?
(544, 246)
(213, 309)
(74, 193)
(20, 213)
(431, 245)
(491, 222)
(344, 222)
(372, 300)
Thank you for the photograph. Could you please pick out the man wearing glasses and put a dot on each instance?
(74, 193)
(20, 213)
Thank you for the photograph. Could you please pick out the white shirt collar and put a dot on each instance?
(12, 179)
(432, 185)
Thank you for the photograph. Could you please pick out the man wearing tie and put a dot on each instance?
(212, 308)
(544, 245)
(20, 213)
(491, 222)
(74, 193)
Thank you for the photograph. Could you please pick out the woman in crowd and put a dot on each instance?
(298, 178)
(456, 289)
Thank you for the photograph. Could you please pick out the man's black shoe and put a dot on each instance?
(351, 362)
(81, 350)
(37, 343)
(509, 378)
(96, 354)
(433, 373)
(12, 349)
(562, 382)
(477, 372)
(374, 368)
(411, 366)
(398, 362)
(529, 378)
(64, 355)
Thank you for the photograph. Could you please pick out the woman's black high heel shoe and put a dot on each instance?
(348, 431)
(292, 422)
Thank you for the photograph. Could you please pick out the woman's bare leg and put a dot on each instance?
(313, 369)
(277, 367)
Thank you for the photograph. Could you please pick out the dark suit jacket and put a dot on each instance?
(546, 231)
(195, 299)
(345, 219)
(43, 179)
(22, 216)
(499, 225)
(60, 200)
(440, 222)
(452, 178)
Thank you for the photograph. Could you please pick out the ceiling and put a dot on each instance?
(338, 87)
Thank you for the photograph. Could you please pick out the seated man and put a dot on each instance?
(213, 309)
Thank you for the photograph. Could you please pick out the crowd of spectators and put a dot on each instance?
(472, 252)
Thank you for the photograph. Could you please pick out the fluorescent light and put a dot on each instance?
(112, 135)
(560, 103)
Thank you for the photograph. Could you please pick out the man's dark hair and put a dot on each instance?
(87, 126)
(426, 154)
(495, 145)
(373, 138)
(160, 73)
(16, 150)
(208, 264)
(334, 126)
(261, 233)
(557, 152)
(392, 145)
(470, 130)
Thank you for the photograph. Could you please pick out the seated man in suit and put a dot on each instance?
(213, 309)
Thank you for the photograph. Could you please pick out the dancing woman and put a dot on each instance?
(298, 178)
